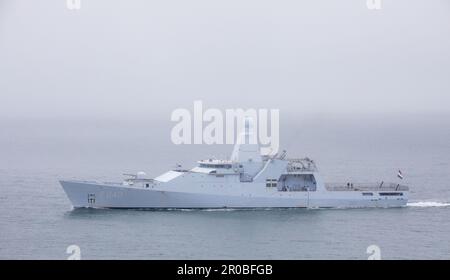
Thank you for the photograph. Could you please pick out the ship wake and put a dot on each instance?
(428, 204)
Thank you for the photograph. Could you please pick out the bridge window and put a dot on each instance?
(391, 194)
(271, 183)
(205, 165)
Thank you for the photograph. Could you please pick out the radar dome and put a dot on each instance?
(141, 175)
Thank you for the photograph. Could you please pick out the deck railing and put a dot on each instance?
(301, 164)
(365, 187)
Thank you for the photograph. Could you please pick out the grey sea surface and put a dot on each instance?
(38, 222)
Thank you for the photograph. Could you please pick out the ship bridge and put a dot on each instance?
(217, 166)
(215, 163)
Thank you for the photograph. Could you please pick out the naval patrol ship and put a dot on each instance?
(246, 180)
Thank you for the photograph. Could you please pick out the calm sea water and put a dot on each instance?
(37, 221)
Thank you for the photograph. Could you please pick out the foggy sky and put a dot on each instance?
(142, 58)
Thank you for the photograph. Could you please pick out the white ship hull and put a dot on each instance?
(98, 195)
